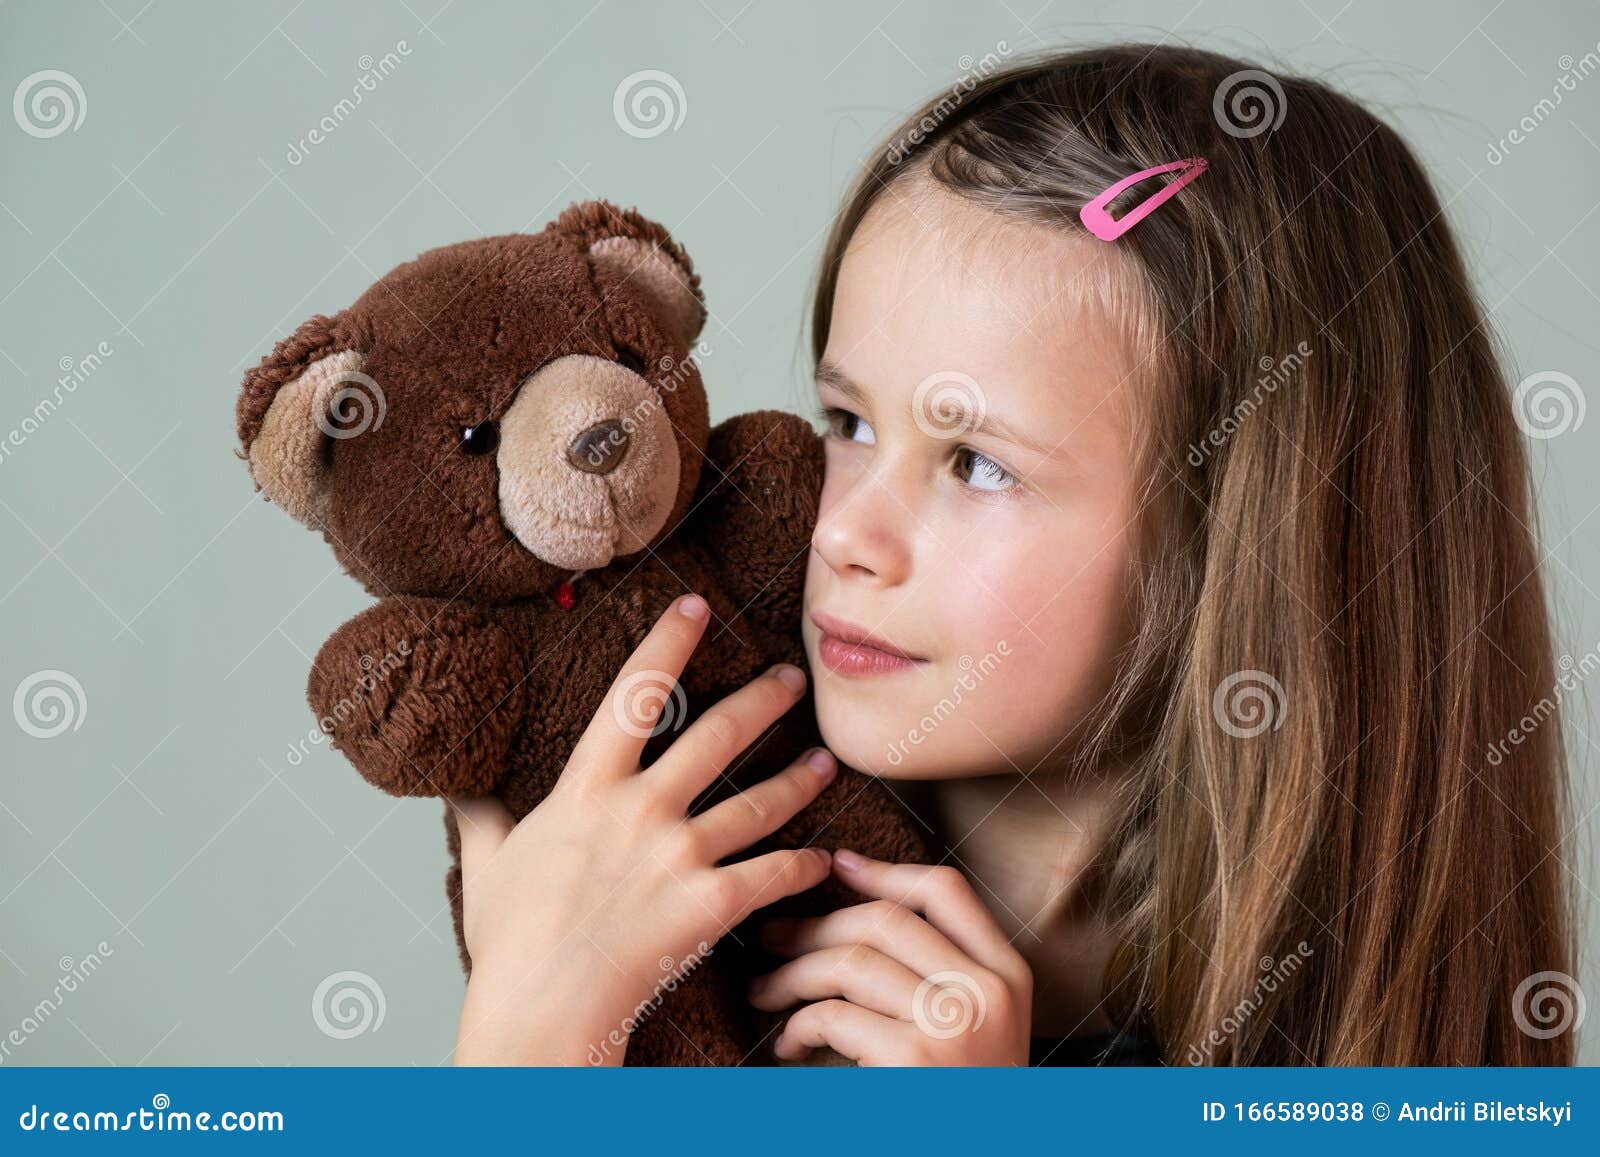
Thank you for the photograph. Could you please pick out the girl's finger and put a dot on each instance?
(858, 1033)
(944, 896)
(644, 688)
(863, 976)
(735, 824)
(484, 823)
(759, 881)
(698, 756)
(889, 928)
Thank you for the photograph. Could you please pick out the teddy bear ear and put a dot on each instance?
(626, 247)
(287, 413)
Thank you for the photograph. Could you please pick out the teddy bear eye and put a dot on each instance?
(480, 439)
(630, 360)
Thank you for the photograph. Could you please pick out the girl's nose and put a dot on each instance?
(860, 534)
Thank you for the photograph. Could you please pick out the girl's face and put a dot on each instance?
(975, 519)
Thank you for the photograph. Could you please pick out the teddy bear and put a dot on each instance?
(507, 442)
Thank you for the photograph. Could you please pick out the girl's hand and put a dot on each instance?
(920, 976)
(580, 912)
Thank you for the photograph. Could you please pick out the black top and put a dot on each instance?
(1110, 1047)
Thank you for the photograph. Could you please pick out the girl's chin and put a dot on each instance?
(892, 758)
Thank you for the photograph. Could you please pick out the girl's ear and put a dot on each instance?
(285, 414)
(631, 253)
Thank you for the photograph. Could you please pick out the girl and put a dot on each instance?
(1182, 580)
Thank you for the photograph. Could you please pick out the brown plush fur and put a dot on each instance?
(468, 676)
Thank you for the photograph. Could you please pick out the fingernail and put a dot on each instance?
(692, 607)
(819, 761)
(790, 676)
(847, 859)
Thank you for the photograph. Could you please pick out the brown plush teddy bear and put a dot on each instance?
(506, 441)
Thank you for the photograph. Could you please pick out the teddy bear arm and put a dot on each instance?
(762, 483)
(424, 697)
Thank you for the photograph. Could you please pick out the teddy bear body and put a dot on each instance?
(506, 441)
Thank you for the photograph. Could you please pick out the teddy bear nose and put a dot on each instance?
(600, 448)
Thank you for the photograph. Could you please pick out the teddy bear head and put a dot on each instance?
(495, 415)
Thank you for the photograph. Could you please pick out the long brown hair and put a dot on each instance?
(1328, 852)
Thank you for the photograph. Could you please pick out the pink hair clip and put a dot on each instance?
(1096, 215)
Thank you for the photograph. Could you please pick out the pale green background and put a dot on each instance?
(172, 824)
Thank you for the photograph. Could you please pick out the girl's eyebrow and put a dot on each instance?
(829, 374)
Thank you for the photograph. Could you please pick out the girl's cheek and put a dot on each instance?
(1008, 569)
(1088, 619)
(1053, 609)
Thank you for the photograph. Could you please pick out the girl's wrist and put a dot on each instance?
(512, 1019)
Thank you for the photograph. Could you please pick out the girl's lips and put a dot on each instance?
(858, 658)
(847, 649)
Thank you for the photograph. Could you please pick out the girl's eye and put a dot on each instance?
(981, 472)
(850, 427)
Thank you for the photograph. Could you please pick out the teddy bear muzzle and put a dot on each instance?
(590, 439)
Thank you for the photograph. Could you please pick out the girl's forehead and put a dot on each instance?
(934, 255)
(936, 283)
